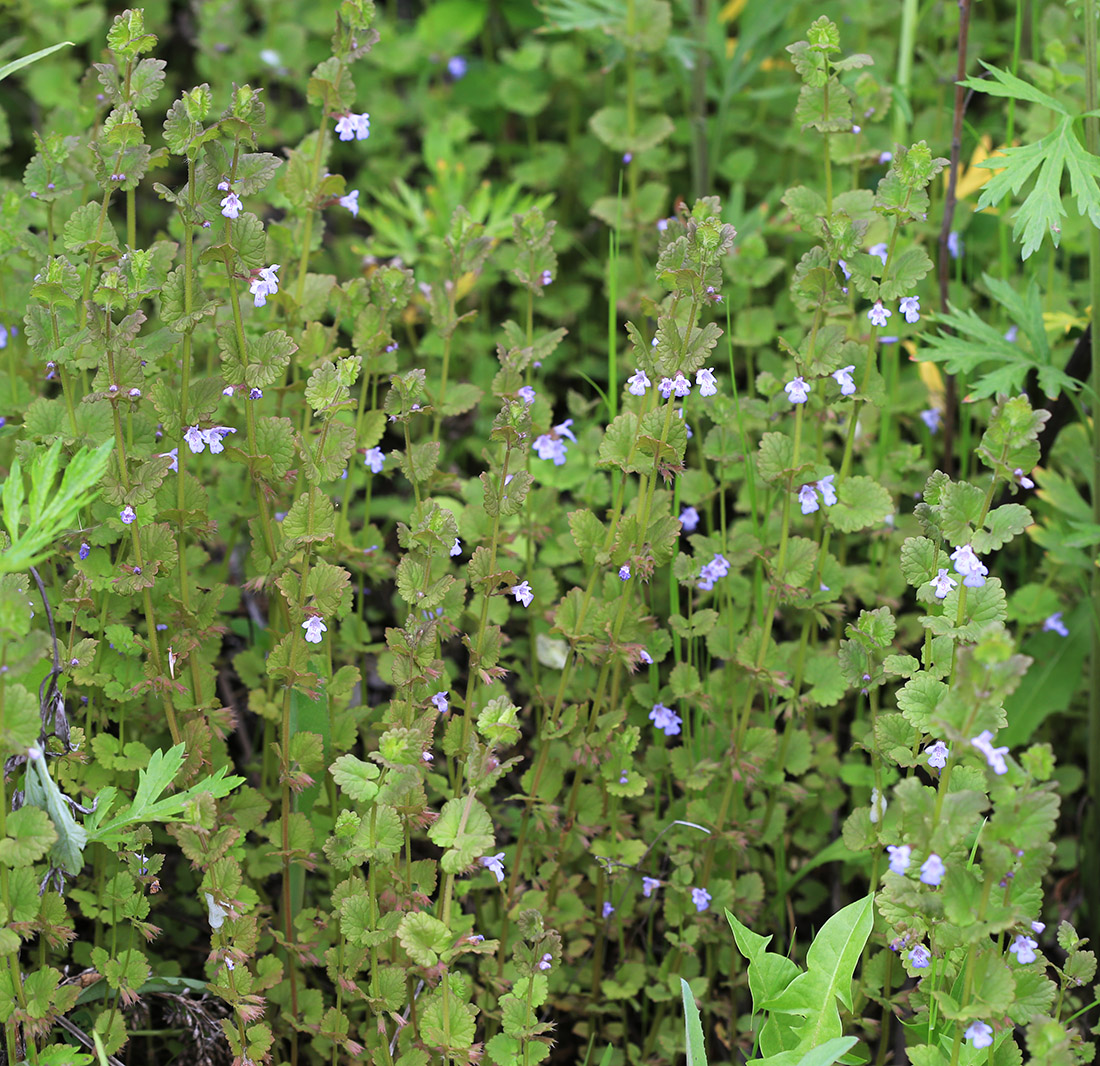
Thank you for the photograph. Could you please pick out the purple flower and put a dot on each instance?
(229, 390)
(825, 487)
(624, 572)
(255, 394)
(931, 418)
(843, 378)
(526, 394)
(374, 458)
(885, 157)
(645, 657)
(127, 514)
(85, 549)
(231, 205)
(213, 437)
(1054, 624)
(495, 863)
(1022, 479)
(627, 158)
(880, 249)
(351, 202)
(807, 498)
(955, 247)
(267, 284)
(1023, 947)
(550, 447)
(608, 910)
(545, 278)
(932, 870)
(456, 67)
(195, 439)
(1012, 333)
(701, 898)
(624, 778)
(135, 394)
(943, 583)
(919, 957)
(522, 593)
(879, 314)
(937, 754)
(353, 127)
(899, 857)
(456, 548)
(979, 1034)
(995, 757)
(638, 383)
(910, 307)
(797, 390)
(666, 719)
(314, 627)
(704, 378)
(5, 333)
(844, 269)
(969, 567)
(1038, 927)
(689, 519)
(678, 385)
(547, 960)
(649, 886)
(440, 702)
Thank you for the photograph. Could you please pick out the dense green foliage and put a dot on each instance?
(526, 524)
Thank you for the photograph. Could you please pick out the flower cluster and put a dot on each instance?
(995, 757)
(552, 446)
(265, 284)
(969, 567)
(718, 567)
(353, 127)
(198, 439)
(807, 495)
(665, 718)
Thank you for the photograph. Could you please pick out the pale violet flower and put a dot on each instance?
(797, 390)
(645, 657)
(546, 277)
(440, 702)
(195, 439)
(314, 627)
(701, 898)
(955, 247)
(1054, 624)
(931, 418)
(943, 583)
(689, 519)
(456, 548)
(351, 202)
(666, 719)
(705, 379)
(495, 863)
(255, 394)
(1012, 333)
(213, 437)
(353, 127)
(879, 314)
(549, 447)
(969, 567)
(678, 385)
(1038, 927)
(128, 515)
(649, 885)
(456, 67)
(231, 205)
(547, 960)
(825, 487)
(899, 857)
(85, 549)
(885, 157)
(265, 285)
(844, 268)
(174, 455)
(910, 307)
(608, 910)
(718, 567)
(1023, 947)
(638, 383)
(1022, 479)
(624, 572)
(932, 870)
(807, 499)
(979, 1034)
(843, 378)
(880, 249)
(995, 757)
(522, 593)
(878, 806)
(919, 957)
(374, 458)
(526, 394)
(937, 754)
